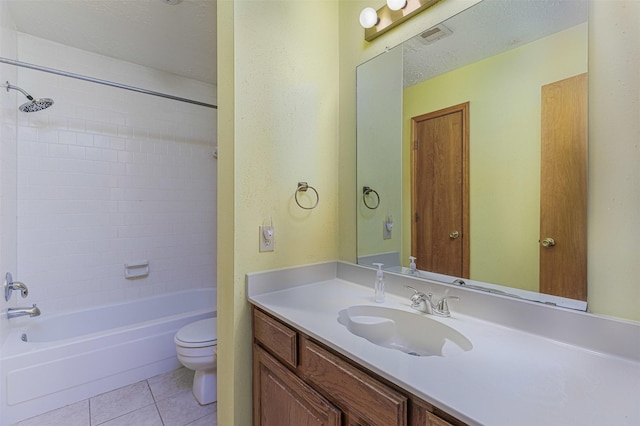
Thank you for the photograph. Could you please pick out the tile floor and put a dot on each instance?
(164, 400)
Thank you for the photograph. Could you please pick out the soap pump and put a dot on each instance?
(379, 284)
(412, 265)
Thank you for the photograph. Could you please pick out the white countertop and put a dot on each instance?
(509, 377)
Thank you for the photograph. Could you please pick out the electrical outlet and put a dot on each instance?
(386, 230)
(267, 239)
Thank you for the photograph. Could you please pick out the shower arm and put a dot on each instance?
(11, 87)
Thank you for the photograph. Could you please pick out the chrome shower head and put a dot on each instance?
(34, 104)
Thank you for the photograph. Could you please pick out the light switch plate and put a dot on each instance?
(266, 244)
(386, 233)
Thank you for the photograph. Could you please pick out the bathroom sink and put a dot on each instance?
(412, 333)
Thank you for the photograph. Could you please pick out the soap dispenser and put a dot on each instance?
(412, 265)
(379, 284)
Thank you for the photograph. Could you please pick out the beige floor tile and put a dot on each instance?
(208, 420)
(171, 383)
(72, 415)
(182, 408)
(120, 401)
(147, 416)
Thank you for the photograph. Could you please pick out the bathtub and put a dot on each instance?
(52, 361)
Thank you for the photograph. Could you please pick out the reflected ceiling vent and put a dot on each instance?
(434, 34)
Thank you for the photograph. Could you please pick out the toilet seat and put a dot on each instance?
(198, 334)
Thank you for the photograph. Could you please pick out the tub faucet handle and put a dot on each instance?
(10, 285)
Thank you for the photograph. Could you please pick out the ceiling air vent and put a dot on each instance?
(434, 34)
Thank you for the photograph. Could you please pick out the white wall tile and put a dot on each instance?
(107, 177)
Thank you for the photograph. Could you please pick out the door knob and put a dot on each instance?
(454, 234)
(548, 242)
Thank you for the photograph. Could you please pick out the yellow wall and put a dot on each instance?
(278, 118)
(614, 156)
(287, 99)
(504, 149)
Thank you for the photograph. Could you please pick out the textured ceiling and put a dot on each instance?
(179, 39)
(487, 29)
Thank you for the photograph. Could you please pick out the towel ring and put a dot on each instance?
(366, 191)
(302, 187)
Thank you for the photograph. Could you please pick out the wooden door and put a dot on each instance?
(440, 191)
(563, 188)
(282, 399)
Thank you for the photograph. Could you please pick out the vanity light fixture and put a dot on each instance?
(390, 15)
(368, 17)
(396, 4)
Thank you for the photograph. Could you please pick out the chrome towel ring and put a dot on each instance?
(366, 191)
(302, 187)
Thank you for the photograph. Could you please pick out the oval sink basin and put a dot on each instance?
(412, 333)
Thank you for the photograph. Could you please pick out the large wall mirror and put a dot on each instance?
(504, 78)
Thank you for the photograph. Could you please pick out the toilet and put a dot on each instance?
(196, 348)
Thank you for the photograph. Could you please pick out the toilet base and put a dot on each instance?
(205, 387)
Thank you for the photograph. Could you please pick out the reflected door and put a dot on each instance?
(439, 191)
(563, 189)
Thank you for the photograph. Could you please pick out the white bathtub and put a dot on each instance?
(73, 356)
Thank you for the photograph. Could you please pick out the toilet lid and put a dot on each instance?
(199, 333)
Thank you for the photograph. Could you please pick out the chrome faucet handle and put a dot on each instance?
(442, 307)
(10, 285)
(419, 298)
(418, 295)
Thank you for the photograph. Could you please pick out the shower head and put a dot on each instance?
(34, 104)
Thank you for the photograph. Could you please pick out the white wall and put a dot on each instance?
(107, 176)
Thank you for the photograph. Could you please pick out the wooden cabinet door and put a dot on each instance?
(281, 398)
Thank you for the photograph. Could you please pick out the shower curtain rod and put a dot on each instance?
(104, 82)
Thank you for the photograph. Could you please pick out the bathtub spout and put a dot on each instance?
(18, 312)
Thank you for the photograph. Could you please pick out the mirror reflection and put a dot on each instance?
(473, 136)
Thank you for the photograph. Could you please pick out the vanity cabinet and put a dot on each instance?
(297, 381)
(282, 398)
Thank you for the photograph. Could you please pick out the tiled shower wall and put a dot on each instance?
(8, 117)
(108, 177)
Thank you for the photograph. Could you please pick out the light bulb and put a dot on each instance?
(396, 4)
(368, 17)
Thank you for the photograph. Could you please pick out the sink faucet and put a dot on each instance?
(424, 303)
(18, 312)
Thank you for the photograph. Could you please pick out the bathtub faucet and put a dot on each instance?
(18, 312)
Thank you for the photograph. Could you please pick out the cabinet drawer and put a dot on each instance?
(351, 388)
(276, 337)
(433, 420)
(424, 414)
